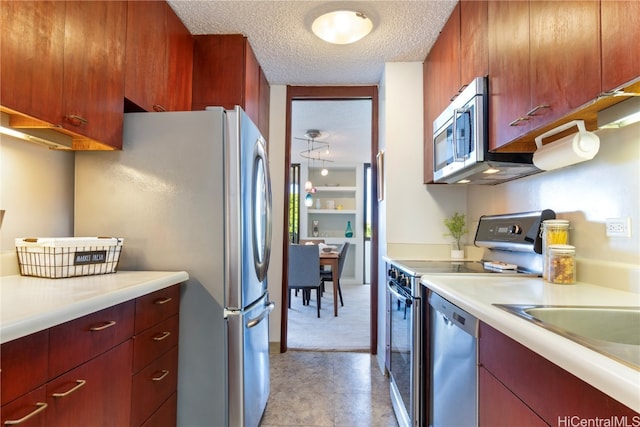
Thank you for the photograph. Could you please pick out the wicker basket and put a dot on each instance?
(55, 258)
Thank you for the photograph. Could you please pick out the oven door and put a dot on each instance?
(404, 364)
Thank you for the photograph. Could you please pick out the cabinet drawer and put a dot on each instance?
(23, 365)
(96, 393)
(166, 416)
(29, 409)
(156, 307)
(154, 342)
(153, 385)
(79, 340)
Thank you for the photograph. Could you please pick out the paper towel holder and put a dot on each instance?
(568, 150)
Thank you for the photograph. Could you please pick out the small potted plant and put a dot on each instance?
(456, 225)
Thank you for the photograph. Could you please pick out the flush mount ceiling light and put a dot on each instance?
(342, 26)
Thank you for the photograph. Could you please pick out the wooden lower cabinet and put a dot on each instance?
(97, 393)
(514, 378)
(95, 370)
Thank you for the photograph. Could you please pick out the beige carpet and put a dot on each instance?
(350, 331)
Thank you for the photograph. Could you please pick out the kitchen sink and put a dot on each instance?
(612, 331)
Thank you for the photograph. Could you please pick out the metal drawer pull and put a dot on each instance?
(158, 108)
(162, 301)
(516, 122)
(163, 374)
(162, 336)
(76, 120)
(536, 109)
(41, 406)
(79, 384)
(108, 324)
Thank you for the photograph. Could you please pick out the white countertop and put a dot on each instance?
(476, 294)
(31, 304)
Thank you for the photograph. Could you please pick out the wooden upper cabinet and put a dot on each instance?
(94, 50)
(179, 64)
(31, 48)
(509, 78)
(145, 70)
(620, 36)
(159, 55)
(226, 73)
(474, 54)
(565, 58)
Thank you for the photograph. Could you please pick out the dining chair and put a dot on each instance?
(304, 273)
(327, 275)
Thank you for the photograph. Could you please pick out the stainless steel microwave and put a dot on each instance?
(461, 144)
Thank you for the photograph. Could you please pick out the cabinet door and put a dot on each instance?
(31, 48)
(474, 54)
(145, 63)
(498, 407)
(620, 35)
(26, 411)
(20, 374)
(509, 78)
(179, 41)
(97, 393)
(565, 58)
(94, 49)
(76, 341)
(265, 93)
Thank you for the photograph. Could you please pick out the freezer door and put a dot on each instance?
(249, 211)
(249, 363)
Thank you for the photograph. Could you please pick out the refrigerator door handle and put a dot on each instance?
(264, 314)
(261, 204)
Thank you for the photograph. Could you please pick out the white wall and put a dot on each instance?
(36, 191)
(586, 194)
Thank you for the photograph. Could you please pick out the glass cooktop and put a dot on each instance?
(420, 267)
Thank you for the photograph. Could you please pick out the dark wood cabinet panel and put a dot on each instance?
(565, 58)
(498, 407)
(154, 342)
(31, 48)
(77, 341)
(474, 54)
(155, 307)
(19, 373)
(546, 388)
(620, 38)
(95, 393)
(26, 411)
(146, 58)
(180, 64)
(165, 416)
(94, 50)
(509, 78)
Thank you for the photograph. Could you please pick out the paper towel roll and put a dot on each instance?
(567, 151)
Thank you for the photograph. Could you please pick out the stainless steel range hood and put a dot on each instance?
(510, 166)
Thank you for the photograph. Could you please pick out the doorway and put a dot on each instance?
(335, 93)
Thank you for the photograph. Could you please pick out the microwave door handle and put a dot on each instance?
(456, 112)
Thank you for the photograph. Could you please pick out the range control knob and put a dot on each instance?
(515, 229)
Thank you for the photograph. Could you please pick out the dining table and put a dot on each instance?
(332, 259)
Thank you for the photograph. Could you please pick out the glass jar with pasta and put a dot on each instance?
(554, 232)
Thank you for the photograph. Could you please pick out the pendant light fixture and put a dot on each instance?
(342, 26)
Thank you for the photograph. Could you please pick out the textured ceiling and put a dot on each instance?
(279, 33)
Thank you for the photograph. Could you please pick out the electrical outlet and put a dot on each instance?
(619, 227)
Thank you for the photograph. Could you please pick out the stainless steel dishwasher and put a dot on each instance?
(454, 365)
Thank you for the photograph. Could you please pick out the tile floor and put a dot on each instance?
(327, 389)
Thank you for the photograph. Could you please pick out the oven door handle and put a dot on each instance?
(407, 300)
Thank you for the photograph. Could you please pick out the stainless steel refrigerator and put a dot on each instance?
(191, 191)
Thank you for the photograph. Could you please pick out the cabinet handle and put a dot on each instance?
(106, 325)
(76, 120)
(162, 301)
(40, 406)
(79, 384)
(533, 111)
(163, 374)
(162, 336)
(517, 122)
(158, 108)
